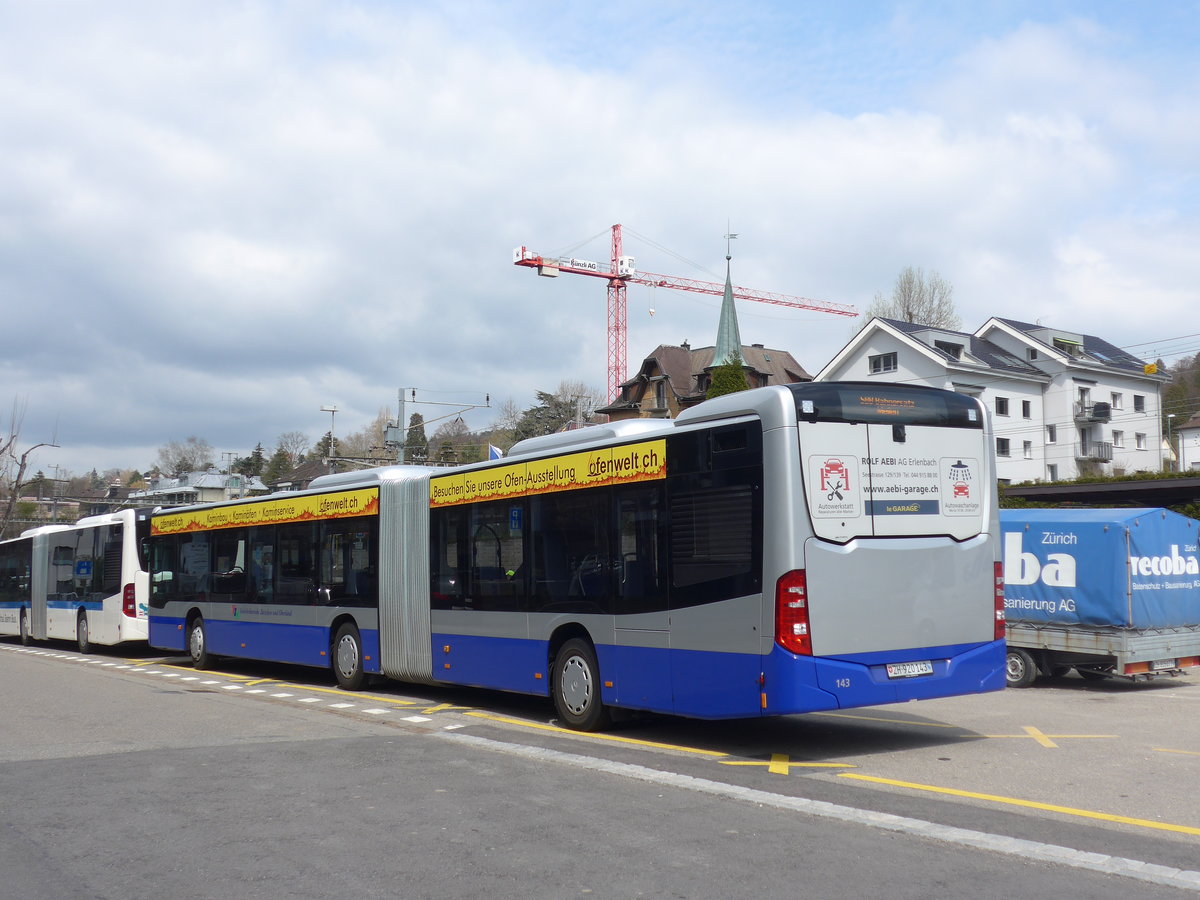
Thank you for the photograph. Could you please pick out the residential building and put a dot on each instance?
(197, 487)
(1187, 439)
(672, 378)
(1063, 404)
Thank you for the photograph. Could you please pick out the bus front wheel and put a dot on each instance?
(576, 687)
(347, 658)
(26, 637)
(198, 643)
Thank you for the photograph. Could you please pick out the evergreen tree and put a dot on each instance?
(278, 465)
(727, 378)
(416, 444)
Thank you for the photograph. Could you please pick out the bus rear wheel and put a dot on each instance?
(26, 637)
(347, 658)
(576, 687)
(198, 643)
(81, 633)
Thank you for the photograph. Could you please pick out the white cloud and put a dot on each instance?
(257, 210)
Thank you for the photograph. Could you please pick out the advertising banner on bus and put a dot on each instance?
(301, 508)
(644, 461)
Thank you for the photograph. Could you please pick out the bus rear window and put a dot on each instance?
(889, 404)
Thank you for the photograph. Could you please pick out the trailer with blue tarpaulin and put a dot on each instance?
(1108, 592)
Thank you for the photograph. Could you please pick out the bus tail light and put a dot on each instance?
(791, 613)
(129, 601)
(1000, 617)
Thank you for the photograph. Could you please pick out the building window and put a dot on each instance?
(1051, 434)
(1052, 472)
(1002, 406)
(1140, 438)
(1002, 447)
(1139, 403)
(1028, 445)
(1030, 353)
(1026, 409)
(883, 362)
(1118, 438)
(660, 396)
(954, 350)
(1118, 400)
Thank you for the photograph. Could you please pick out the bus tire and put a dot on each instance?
(82, 637)
(348, 658)
(576, 687)
(198, 643)
(26, 637)
(1020, 670)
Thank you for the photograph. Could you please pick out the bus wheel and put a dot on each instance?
(26, 637)
(347, 658)
(81, 633)
(198, 643)
(1020, 670)
(576, 687)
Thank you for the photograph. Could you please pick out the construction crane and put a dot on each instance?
(621, 271)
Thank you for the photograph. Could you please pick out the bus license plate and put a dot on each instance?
(1162, 664)
(909, 669)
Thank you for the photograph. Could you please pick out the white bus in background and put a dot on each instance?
(85, 582)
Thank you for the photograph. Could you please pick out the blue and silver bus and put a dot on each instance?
(85, 582)
(781, 550)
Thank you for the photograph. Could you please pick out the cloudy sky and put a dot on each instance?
(218, 217)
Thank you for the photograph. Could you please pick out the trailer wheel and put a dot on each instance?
(1020, 670)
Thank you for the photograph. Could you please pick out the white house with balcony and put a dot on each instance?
(1187, 439)
(1063, 404)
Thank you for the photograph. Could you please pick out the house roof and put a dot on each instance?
(1094, 348)
(989, 354)
(683, 366)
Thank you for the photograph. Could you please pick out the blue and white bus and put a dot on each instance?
(780, 550)
(85, 582)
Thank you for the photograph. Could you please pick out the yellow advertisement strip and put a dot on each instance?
(630, 463)
(302, 508)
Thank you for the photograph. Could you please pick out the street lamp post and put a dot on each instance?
(332, 410)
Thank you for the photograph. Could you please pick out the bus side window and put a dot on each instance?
(497, 555)
(348, 565)
(448, 558)
(164, 564)
(295, 582)
(573, 568)
(639, 529)
(261, 577)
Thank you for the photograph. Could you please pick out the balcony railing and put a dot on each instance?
(1093, 412)
(1096, 451)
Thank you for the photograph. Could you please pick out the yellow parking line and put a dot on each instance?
(613, 738)
(1186, 752)
(1031, 804)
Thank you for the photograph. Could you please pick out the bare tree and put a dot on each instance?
(295, 444)
(14, 463)
(191, 455)
(918, 299)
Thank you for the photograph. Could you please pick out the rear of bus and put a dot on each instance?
(888, 583)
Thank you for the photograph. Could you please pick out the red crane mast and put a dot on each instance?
(622, 271)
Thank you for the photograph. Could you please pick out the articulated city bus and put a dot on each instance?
(85, 582)
(780, 550)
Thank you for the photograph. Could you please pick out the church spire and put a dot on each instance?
(729, 338)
